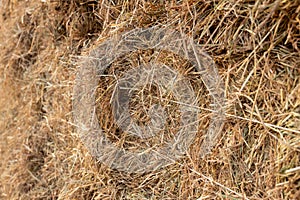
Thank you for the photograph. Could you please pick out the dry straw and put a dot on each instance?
(150, 158)
(255, 47)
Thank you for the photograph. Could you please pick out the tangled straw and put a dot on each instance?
(166, 79)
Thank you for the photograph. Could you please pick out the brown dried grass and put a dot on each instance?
(255, 45)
